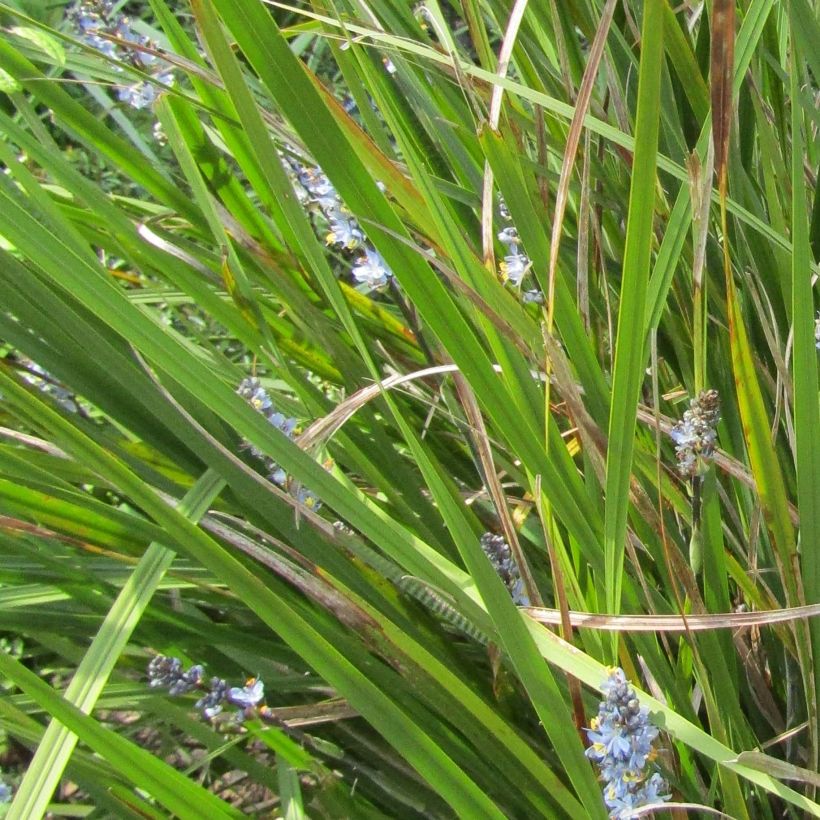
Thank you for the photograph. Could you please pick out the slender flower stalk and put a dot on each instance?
(371, 270)
(535, 297)
(516, 264)
(316, 192)
(169, 673)
(503, 210)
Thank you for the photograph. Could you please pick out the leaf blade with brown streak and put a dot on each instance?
(720, 80)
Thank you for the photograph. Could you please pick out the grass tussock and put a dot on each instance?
(382, 386)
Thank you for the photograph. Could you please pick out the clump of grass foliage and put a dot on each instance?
(382, 384)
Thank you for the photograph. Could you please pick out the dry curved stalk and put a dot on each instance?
(675, 623)
(329, 711)
(586, 620)
(321, 429)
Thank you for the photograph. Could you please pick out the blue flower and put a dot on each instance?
(323, 193)
(503, 210)
(252, 391)
(281, 422)
(516, 263)
(514, 266)
(695, 434)
(169, 674)
(164, 671)
(344, 231)
(652, 788)
(611, 741)
(621, 737)
(254, 394)
(509, 235)
(248, 696)
(212, 704)
(371, 270)
(308, 498)
(187, 681)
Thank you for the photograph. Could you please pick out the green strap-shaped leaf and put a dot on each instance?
(630, 348)
(804, 366)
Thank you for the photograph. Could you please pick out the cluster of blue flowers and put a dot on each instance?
(257, 397)
(500, 555)
(169, 673)
(695, 434)
(344, 233)
(97, 22)
(516, 263)
(621, 737)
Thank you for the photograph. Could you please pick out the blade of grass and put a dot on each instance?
(753, 24)
(804, 367)
(287, 82)
(630, 346)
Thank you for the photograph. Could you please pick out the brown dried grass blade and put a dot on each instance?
(675, 623)
(780, 769)
(596, 52)
(722, 59)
